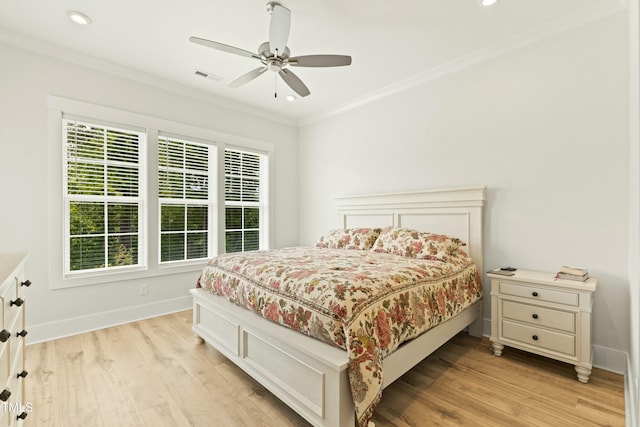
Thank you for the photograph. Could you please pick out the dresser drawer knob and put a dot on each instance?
(22, 333)
(535, 316)
(22, 415)
(4, 335)
(17, 301)
(26, 283)
(23, 374)
(5, 394)
(535, 337)
(535, 294)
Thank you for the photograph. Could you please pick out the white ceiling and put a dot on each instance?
(391, 42)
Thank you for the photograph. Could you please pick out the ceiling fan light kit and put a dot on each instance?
(274, 55)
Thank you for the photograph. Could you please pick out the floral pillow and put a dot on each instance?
(349, 238)
(417, 244)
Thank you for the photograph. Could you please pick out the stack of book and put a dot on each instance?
(568, 272)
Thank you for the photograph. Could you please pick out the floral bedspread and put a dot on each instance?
(365, 302)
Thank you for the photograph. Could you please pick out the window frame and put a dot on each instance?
(140, 200)
(211, 202)
(262, 204)
(59, 107)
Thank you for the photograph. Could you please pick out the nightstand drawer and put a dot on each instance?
(536, 337)
(539, 294)
(539, 316)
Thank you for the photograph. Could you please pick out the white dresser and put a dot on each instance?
(13, 407)
(534, 312)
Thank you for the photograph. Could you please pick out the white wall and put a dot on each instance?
(544, 127)
(26, 79)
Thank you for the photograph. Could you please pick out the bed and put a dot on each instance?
(320, 381)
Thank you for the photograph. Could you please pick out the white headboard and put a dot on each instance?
(456, 212)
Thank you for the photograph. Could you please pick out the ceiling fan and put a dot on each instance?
(274, 54)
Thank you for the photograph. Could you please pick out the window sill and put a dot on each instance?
(141, 273)
(199, 263)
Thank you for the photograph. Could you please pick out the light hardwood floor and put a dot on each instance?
(154, 373)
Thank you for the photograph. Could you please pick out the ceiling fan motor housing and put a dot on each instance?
(271, 5)
(265, 52)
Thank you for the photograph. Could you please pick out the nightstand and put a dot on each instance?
(534, 312)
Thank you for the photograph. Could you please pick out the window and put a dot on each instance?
(245, 199)
(140, 196)
(103, 197)
(184, 175)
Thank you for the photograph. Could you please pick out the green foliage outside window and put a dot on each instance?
(87, 235)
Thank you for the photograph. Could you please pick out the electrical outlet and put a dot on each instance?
(144, 289)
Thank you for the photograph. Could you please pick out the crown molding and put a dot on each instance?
(87, 61)
(561, 25)
(564, 24)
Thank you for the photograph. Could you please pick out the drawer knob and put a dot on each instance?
(22, 333)
(26, 283)
(535, 294)
(4, 335)
(17, 301)
(4, 395)
(535, 316)
(22, 415)
(23, 374)
(535, 337)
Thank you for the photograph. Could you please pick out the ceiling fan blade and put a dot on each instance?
(320, 61)
(223, 47)
(279, 29)
(246, 78)
(294, 82)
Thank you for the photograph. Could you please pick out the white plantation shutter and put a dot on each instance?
(184, 178)
(245, 199)
(103, 196)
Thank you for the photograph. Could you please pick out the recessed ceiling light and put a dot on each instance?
(487, 3)
(290, 98)
(79, 17)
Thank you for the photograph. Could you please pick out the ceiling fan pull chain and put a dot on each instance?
(275, 85)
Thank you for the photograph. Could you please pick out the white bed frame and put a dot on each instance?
(311, 376)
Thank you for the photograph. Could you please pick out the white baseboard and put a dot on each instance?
(78, 325)
(486, 325)
(610, 359)
(631, 397)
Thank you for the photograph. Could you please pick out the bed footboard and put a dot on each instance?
(309, 376)
(306, 374)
